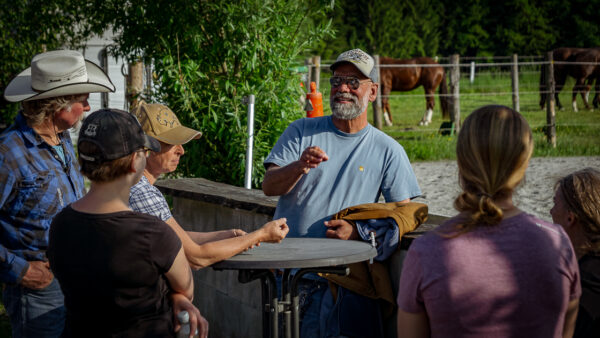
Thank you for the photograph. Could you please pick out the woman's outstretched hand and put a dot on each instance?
(275, 231)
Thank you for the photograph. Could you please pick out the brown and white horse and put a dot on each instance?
(408, 78)
(584, 74)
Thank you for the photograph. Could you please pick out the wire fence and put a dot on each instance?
(498, 72)
(512, 78)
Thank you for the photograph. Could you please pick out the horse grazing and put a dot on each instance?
(589, 71)
(581, 74)
(408, 78)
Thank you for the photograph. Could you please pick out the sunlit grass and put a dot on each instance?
(577, 134)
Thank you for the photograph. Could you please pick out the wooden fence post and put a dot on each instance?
(316, 71)
(377, 118)
(135, 83)
(514, 71)
(550, 102)
(455, 92)
(148, 82)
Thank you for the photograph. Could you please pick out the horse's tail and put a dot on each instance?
(444, 97)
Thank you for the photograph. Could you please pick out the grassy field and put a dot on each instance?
(578, 134)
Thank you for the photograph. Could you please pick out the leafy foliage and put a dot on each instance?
(400, 28)
(392, 28)
(209, 55)
(27, 27)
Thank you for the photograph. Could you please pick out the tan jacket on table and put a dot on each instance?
(373, 280)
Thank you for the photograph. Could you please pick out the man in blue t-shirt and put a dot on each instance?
(322, 165)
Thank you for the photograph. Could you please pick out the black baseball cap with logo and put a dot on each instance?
(116, 133)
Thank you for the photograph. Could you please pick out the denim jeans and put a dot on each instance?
(35, 313)
(310, 296)
(350, 315)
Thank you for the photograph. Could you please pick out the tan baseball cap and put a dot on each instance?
(160, 122)
(361, 60)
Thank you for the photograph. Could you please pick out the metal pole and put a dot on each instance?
(308, 64)
(515, 82)
(249, 100)
(316, 70)
(472, 76)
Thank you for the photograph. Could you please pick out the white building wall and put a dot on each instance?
(93, 51)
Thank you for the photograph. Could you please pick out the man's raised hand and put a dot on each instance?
(311, 158)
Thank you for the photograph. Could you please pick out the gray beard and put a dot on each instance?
(347, 111)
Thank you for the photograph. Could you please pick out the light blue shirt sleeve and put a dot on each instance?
(288, 146)
(399, 181)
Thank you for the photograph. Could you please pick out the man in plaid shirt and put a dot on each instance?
(201, 248)
(39, 176)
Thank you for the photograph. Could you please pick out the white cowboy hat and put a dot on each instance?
(57, 73)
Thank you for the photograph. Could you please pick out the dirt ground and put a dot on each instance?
(439, 183)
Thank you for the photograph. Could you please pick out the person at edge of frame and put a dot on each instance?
(39, 176)
(577, 209)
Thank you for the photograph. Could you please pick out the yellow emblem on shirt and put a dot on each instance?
(361, 168)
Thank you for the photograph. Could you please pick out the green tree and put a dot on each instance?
(207, 56)
(27, 27)
(521, 26)
(577, 23)
(395, 28)
(465, 30)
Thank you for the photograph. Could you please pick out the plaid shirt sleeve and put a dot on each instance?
(34, 186)
(147, 199)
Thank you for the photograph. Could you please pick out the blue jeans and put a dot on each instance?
(310, 296)
(35, 313)
(350, 315)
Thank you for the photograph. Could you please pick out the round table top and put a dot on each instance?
(300, 253)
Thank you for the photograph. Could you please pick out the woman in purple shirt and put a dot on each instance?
(492, 270)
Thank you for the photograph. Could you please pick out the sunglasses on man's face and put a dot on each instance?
(351, 81)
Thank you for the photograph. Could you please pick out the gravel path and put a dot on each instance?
(439, 183)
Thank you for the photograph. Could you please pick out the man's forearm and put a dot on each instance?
(281, 180)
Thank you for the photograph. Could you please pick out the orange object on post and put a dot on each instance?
(314, 102)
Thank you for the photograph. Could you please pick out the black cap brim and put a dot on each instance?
(152, 144)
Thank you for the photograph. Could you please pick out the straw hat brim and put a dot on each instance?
(19, 89)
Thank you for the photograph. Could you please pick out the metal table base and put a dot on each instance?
(303, 255)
